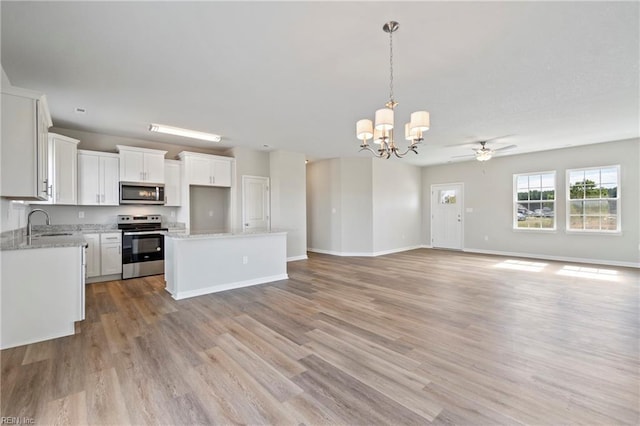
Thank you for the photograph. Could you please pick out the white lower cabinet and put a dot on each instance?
(111, 253)
(93, 255)
(104, 254)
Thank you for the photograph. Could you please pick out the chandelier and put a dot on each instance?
(382, 133)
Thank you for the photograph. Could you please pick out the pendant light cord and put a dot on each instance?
(391, 68)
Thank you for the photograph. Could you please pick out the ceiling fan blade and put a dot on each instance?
(505, 148)
(497, 137)
(462, 156)
(479, 140)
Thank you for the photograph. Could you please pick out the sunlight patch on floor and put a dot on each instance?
(585, 272)
(522, 265)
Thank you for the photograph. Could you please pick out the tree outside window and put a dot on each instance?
(534, 201)
(593, 199)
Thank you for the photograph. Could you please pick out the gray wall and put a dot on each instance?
(249, 162)
(288, 199)
(488, 192)
(356, 205)
(208, 209)
(396, 205)
(363, 206)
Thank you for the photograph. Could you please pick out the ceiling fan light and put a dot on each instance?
(364, 129)
(384, 119)
(483, 155)
(420, 121)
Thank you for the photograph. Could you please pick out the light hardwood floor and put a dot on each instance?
(420, 337)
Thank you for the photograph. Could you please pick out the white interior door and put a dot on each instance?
(255, 202)
(446, 216)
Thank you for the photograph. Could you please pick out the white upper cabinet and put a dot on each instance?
(207, 170)
(63, 170)
(98, 178)
(172, 172)
(24, 156)
(141, 164)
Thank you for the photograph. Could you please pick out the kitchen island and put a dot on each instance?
(198, 263)
(41, 287)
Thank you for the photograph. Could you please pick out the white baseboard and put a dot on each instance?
(364, 253)
(60, 333)
(294, 258)
(228, 286)
(555, 258)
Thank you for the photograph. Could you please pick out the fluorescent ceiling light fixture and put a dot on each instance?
(177, 131)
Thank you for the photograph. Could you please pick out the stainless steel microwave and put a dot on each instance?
(141, 193)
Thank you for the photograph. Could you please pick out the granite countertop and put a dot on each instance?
(51, 236)
(65, 235)
(189, 234)
(46, 240)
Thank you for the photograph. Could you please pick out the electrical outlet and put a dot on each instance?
(173, 214)
(245, 260)
(80, 215)
(486, 238)
(210, 213)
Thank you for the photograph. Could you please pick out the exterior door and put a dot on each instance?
(446, 216)
(255, 202)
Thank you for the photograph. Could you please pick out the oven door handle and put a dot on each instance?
(144, 233)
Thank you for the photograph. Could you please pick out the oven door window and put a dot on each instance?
(142, 248)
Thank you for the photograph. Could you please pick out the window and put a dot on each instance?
(593, 199)
(534, 200)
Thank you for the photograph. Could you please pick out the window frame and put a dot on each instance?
(515, 202)
(618, 200)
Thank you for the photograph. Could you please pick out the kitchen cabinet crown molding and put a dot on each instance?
(184, 154)
(64, 138)
(100, 153)
(136, 149)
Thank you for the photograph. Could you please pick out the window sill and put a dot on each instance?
(611, 233)
(541, 230)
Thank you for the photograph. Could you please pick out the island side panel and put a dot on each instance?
(40, 294)
(201, 265)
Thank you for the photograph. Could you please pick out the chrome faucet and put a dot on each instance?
(29, 219)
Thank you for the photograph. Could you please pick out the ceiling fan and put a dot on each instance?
(483, 153)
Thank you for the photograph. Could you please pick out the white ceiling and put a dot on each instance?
(297, 76)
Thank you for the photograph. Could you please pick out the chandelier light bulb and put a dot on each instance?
(364, 129)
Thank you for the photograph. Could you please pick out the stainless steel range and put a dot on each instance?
(142, 245)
